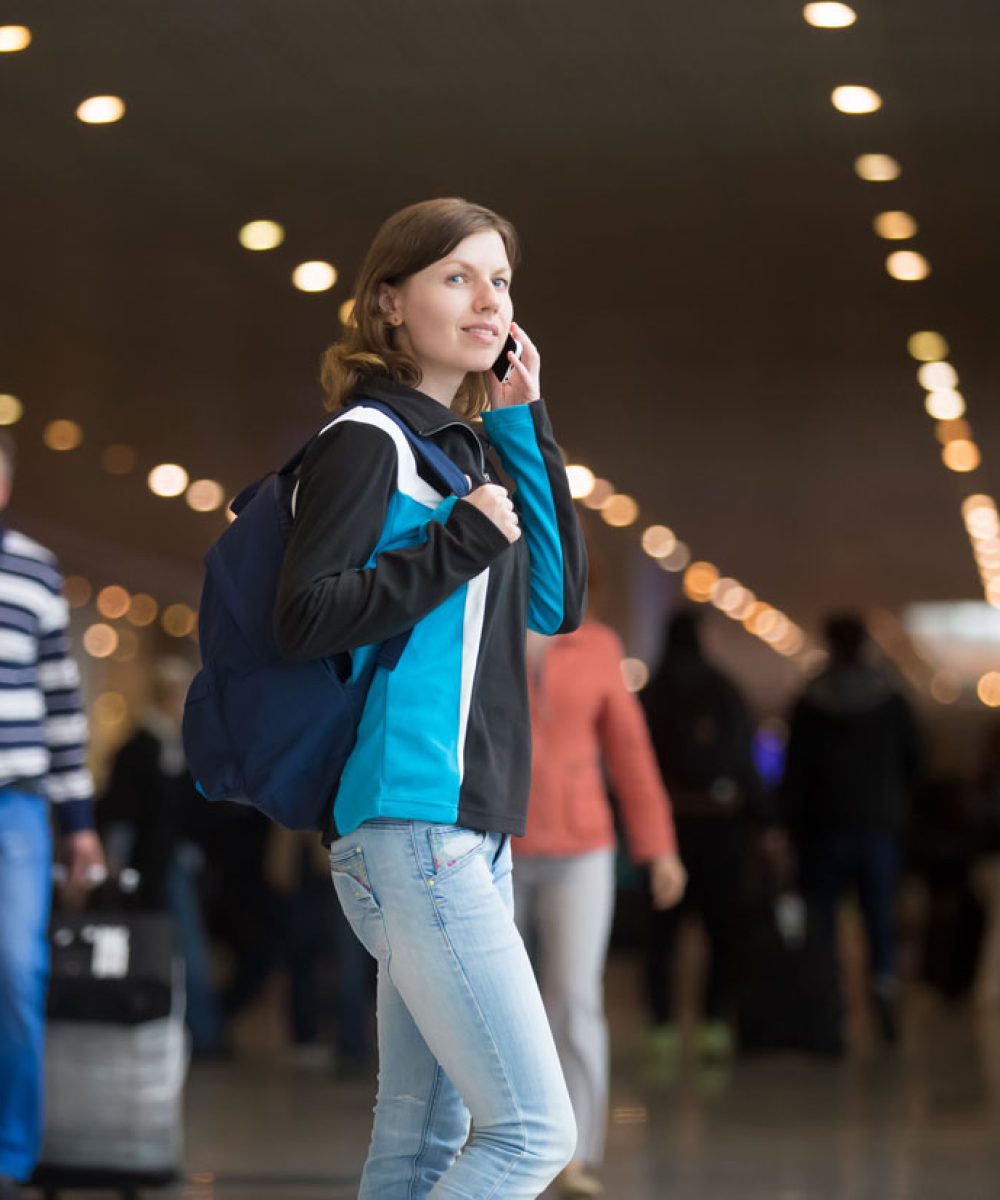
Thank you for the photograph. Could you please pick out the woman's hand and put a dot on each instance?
(495, 502)
(524, 385)
(667, 881)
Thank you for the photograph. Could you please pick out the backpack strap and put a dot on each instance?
(455, 481)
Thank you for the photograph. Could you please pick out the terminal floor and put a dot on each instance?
(920, 1123)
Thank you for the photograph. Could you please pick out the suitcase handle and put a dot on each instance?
(127, 880)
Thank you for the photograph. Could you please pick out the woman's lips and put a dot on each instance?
(481, 334)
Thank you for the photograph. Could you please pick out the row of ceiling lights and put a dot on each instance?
(314, 275)
(943, 402)
(167, 480)
(112, 639)
(703, 583)
(115, 637)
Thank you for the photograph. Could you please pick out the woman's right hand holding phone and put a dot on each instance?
(494, 502)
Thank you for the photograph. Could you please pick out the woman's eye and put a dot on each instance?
(456, 278)
(501, 284)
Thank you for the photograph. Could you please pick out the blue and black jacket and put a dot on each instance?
(376, 549)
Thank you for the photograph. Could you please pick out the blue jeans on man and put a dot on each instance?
(25, 892)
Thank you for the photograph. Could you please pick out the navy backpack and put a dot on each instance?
(258, 729)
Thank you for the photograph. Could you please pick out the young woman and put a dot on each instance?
(440, 776)
(564, 873)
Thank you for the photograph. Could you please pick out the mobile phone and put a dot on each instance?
(503, 368)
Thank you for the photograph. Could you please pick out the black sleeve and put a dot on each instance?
(794, 788)
(758, 807)
(329, 601)
(911, 747)
(121, 800)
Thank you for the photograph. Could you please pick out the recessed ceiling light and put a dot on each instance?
(927, 346)
(581, 480)
(829, 16)
(961, 456)
(953, 429)
(877, 168)
(619, 510)
(100, 640)
(143, 609)
(945, 405)
(14, 38)
(101, 110)
(113, 601)
(314, 276)
(62, 435)
(700, 580)
(937, 376)
(205, 495)
(600, 494)
(658, 541)
(895, 226)
(261, 235)
(11, 409)
(178, 620)
(855, 99)
(168, 479)
(907, 265)
(988, 689)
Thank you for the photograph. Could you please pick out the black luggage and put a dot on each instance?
(116, 1054)
(788, 996)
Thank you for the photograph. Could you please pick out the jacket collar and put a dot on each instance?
(421, 412)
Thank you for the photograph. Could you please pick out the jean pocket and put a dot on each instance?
(453, 847)
(350, 865)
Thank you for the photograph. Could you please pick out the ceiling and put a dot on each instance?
(719, 335)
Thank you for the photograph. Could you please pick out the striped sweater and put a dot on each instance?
(43, 729)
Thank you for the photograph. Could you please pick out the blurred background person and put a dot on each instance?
(703, 735)
(854, 759)
(315, 936)
(564, 869)
(155, 822)
(986, 871)
(43, 733)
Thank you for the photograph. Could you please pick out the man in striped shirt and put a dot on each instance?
(43, 733)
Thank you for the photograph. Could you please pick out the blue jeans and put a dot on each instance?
(461, 1027)
(203, 1011)
(870, 865)
(25, 892)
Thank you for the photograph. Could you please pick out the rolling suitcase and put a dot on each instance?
(788, 996)
(116, 1054)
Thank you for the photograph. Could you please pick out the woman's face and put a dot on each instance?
(453, 316)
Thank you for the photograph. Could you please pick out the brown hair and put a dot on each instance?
(409, 241)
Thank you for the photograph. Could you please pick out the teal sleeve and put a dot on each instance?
(528, 451)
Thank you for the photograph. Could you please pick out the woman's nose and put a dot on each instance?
(487, 298)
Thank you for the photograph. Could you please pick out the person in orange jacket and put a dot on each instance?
(583, 719)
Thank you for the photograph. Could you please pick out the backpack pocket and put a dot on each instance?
(207, 745)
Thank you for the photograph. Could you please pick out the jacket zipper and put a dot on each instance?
(479, 445)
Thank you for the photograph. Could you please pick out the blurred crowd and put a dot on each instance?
(855, 814)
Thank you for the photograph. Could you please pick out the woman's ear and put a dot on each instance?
(388, 305)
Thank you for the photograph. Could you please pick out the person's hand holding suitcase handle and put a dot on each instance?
(83, 856)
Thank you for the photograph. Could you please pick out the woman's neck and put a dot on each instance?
(440, 385)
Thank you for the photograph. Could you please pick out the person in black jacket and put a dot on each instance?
(703, 735)
(853, 761)
(153, 819)
(439, 777)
